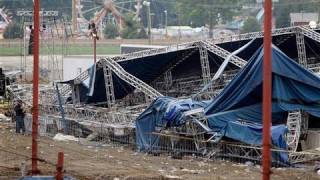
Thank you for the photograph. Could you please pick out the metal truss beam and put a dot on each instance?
(190, 45)
(297, 124)
(91, 113)
(310, 33)
(223, 53)
(301, 48)
(42, 13)
(315, 68)
(168, 79)
(129, 78)
(109, 86)
(205, 67)
(253, 35)
(153, 52)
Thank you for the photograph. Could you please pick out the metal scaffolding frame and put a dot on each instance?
(297, 123)
(109, 86)
(301, 48)
(129, 78)
(215, 49)
(205, 66)
(210, 45)
(97, 117)
(168, 79)
(310, 33)
(253, 35)
(49, 32)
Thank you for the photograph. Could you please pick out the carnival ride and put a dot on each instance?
(5, 19)
(98, 10)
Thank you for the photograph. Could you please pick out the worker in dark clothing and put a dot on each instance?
(19, 117)
(30, 50)
(93, 30)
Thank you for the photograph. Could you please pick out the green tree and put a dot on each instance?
(132, 29)
(110, 31)
(251, 25)
(205, 12)
(13, 31)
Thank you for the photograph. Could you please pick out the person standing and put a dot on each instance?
(30, 50)
(19, 112)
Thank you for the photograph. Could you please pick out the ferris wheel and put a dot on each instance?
(98, 10)
(5, 19)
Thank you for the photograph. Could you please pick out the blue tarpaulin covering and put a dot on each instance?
(293, 88)
(236, 112)
(163, 112)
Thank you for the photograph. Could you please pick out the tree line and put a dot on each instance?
(179, 12)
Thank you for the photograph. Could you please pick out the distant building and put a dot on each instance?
(261, 1)
(180, 32)
(298, 19)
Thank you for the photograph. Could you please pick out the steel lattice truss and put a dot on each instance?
(94, 117)
(210, 45)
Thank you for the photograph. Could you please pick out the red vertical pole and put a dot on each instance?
(35, 112)
(95, 49)
(267, 90)
(59, 175)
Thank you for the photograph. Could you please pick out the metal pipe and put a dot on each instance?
(95, 49)
(59, 175)
(146, 3)
(74, 17)
(267, 90)
(35, 109)
(166, 22)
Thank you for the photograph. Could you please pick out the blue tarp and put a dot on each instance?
(163, 112)
(292, 85)
(293, 88)
(236, 112)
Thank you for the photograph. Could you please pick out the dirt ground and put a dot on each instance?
(116, 163)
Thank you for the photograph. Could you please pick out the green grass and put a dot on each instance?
(71, 49)
(84, 50)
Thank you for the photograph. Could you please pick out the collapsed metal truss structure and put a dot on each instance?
(117, 114)
(54, 36)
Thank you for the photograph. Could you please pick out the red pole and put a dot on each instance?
(267, 90)
(95, 49)
(35, 112)
(59, 175)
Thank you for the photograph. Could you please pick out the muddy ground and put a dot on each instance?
(118, 162)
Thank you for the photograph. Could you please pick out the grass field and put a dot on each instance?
(70, 49)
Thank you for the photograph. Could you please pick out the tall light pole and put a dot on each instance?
(35, 109)
(166, 21)
(147, 4)
(267, 90)
(74, 17)
(95, 37)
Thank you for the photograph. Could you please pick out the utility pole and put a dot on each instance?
(94, 36)
(267, 90)
(95, 49)
(74, 17)
(147, 4)
(166, 21)
(35, 109)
